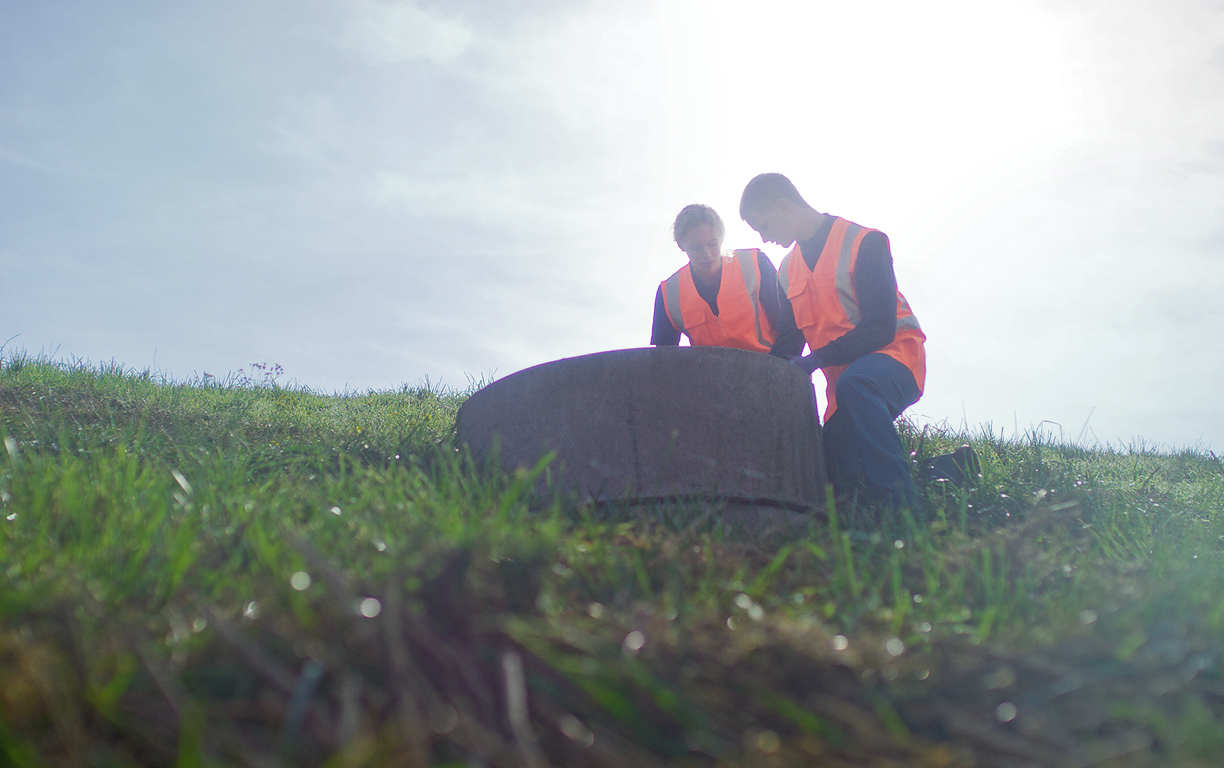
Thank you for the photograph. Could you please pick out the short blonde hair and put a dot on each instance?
(692, 215)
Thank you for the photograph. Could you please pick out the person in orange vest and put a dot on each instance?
(718, 299)
(838, 293)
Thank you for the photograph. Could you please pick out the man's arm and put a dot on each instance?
(663, 333)
(875, 287)
(768, 291)
(778, 309)
(790, 339)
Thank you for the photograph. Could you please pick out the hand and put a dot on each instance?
(809, 364)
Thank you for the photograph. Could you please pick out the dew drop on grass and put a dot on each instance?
(768, 742)
(756, 612)
(1087, 616)
(922, 674)
(335, 510)
(797, 598)
(575, 730)
(596, 610)
(894, 646)
(370, 607)
(917, 598)
(634, 641)
(899, 544)
(731, 622)
(380, 545)
(924, 627)
(743, 602)
(199, 624)
(300, 581)
(1005, 712)
(251, 611)
(11, 517)
(840, 643)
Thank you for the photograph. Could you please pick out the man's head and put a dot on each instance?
(699, 232)
(774, 208)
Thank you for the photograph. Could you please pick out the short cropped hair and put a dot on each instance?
(768, 188)
(692, 215)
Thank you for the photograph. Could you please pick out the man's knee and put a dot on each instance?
(854, 384)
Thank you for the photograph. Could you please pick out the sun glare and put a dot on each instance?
(869, 106)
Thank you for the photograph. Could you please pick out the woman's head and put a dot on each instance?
(699, 232)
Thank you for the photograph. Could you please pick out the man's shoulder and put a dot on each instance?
(874, 240)
(856, 225)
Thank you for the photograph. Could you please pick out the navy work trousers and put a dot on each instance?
(862, 450)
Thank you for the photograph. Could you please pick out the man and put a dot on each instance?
(838, 292)
(717, 299)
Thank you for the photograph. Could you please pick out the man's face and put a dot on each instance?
(703, 247)
(771, 223)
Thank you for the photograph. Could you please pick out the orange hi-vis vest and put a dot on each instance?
(740, 323)
(826, 307)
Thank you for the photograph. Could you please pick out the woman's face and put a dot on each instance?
(703, 246)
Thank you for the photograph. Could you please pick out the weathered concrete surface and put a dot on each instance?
(659, 423)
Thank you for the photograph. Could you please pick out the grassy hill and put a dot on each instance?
(209, 574)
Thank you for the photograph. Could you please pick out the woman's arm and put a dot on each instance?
(663, 333)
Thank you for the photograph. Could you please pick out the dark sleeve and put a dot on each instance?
(875, 287)
(782, 320)
(663, 333)
(768, 292)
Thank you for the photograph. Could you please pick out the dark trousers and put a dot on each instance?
(863, 452)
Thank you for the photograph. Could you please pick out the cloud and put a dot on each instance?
(388, 32)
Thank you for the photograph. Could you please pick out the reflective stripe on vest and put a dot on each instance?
(739, 290)
(810, 298)
(750, 271)
(845, 284)
(671, 300)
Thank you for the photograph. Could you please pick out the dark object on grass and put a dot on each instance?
(960, 468)
(662, 423)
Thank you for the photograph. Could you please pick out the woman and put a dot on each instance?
(718, 299)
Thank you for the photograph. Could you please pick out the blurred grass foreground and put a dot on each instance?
(233, 573)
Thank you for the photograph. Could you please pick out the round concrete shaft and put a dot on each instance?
(666, 422)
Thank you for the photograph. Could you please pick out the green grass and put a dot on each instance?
(227, 573)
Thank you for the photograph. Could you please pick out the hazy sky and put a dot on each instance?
(370, 192)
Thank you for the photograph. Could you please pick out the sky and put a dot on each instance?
(370, 193)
